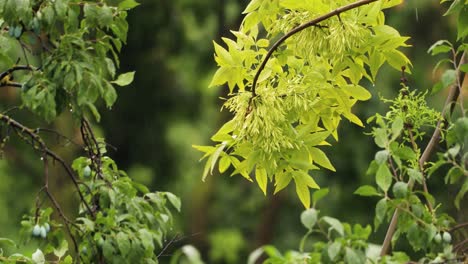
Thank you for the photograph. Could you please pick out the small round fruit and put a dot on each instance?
(84, 250)
(447, 237)
(438, 238)
(36, 230)
(86, 172)
(400, 189)
(43, 232)
(47, 227)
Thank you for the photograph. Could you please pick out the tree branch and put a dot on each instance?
(452, 98)
(299, 28)
(36, 139)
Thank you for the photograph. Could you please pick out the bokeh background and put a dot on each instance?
(169, 107)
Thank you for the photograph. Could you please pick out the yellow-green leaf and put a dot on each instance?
(282, 180)
(357, 92)
(302, 191)
(262, 178)
(321, 159)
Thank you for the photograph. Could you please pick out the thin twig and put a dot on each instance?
(38, 143)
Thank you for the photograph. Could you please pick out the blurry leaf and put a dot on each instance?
(367, 190)
(309, 218)
(380, 211)
(462, 26)
(415, 175)
(335, 224)
(441, 46)
(174, 200)
(319, 194)
(397, 127)
(383, 177)
(381, 156)
(351, 257)
(128, 4)
(262, 178)
(38, 257)
(302, 190)
(405, 153)
(396, 59)
(334, 250)
(224, 163)
(456, 6)
(255, 256)
(448, 78)
(417, 237)
(464, 67)
(124, 79)
(192, 254)
(123, 243)
(216, 155)
(60, 251)
(461, 194)
(7, 241)
(320, 158)
(282, 180)
(357, 91)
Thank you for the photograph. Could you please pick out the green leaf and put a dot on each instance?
(456, 6)
(124, 79)
(380, 211)
(334, 250)
(383, 177)
(302, 190)
(123, 243)
(396, 59)
(7, 241)
(381, 156)
(335, 224)
(462, 26)
(441, 46)
(215, 156)
(223, 132)
(415, 175)
(224, 163)
(397, 127)
(405, 153)
(461, 194)
(319, 194)
(464, 67)
(320, 158)
(38, 257)
(417, 237)
(174, 200)
(351, 257)
(262, 178)
(448, 78)
(357, 91)
(128, 4)
(282, 180)
(367, 190)
(60, 251)
(309, 218)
